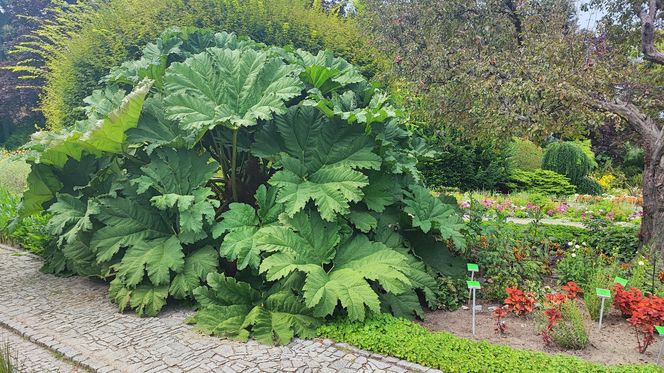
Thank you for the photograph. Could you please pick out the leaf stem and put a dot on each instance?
(234, 166)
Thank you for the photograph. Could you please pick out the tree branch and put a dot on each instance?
(648, 17)
(643, 124)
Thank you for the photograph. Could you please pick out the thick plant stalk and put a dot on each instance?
(234, 166)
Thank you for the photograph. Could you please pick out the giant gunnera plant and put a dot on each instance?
(271, 186)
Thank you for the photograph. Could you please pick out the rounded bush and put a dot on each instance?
(589, 186)
(526, 155)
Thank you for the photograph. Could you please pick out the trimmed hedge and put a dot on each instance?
(86, 39)
(403, 339)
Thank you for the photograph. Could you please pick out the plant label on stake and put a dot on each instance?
(602, 294)
(660, 332)
(472, 287)
(621, 281)
(472, 268)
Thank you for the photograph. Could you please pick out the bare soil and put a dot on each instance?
(615, 343)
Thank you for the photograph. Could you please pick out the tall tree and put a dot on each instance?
(503, 68)
(640, 99)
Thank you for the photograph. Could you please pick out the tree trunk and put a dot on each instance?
(652, 135)
(652, 224)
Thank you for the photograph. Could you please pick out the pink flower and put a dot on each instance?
(465, 205)
(488, 203)
(549, 212)
(562, 208)
(531, 206)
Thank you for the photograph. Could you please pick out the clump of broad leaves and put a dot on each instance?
(273, 187)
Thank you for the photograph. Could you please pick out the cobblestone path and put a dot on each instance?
(73, 317)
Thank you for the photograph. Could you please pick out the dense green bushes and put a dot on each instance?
(540, 181)
(405, 340)
(85, 40)
(467, 165)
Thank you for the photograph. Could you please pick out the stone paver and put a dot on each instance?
(73, 317)
(31, 357)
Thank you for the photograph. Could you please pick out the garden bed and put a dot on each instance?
(615, 343)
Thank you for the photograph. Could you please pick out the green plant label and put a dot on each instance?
(473, 284)
(621, 281)
(603, 293)
(660, 329)
(472, 267)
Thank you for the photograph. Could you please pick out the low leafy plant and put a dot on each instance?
(403, 339)
(578, 264)
(626, 300)
(452, 292)
(647, 313)
(570, 332)
(499, 314)
(273, 186)
(519, 302)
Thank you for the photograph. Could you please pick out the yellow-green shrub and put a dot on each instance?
(83, 41)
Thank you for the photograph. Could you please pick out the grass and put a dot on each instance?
(8, 359)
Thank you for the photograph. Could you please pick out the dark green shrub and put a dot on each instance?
(403, 339)
(589, 186)
(540, 181)
(86, 39)
(567, 158)
(467, 165)
(452, 292)
(526, 155)
(620, 241)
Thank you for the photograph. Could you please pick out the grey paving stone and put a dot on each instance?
(74, 317)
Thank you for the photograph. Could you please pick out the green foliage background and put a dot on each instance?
(80, 43)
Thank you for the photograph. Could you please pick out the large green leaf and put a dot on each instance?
(156, 257)
(70, 216)
(178, 177)
(320, 159)
(233, 309)
(429, 212)
(233, 88)
(306, 244)
(43, 183)
(127, 223)
(196, 267)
